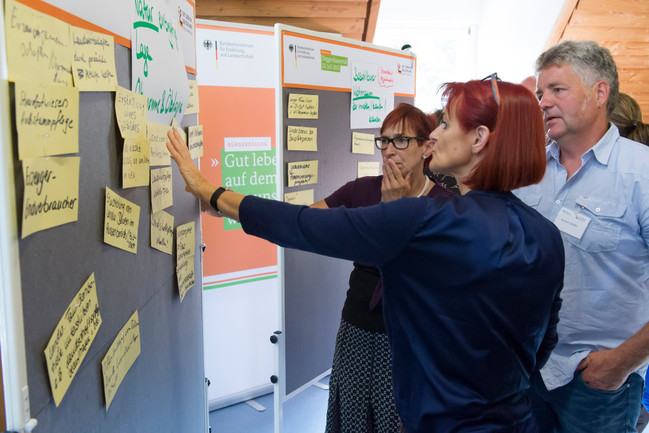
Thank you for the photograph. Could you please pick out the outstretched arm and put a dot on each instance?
(228, 202)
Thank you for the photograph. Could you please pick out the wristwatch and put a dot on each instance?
(215, 196)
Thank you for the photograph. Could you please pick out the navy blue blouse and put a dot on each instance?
(471, 297)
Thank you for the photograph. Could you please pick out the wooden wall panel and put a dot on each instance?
(623, 27)
(350, 18)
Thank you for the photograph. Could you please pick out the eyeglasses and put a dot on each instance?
(399, 142)
(494, 85)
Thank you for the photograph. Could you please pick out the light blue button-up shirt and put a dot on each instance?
(606, 283)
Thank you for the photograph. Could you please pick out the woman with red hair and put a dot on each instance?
(471, 283)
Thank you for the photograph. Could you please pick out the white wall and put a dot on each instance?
(467, 39)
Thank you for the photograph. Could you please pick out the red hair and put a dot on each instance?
(514, 155)
(407, 116)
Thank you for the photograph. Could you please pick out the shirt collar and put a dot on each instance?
(601, 150)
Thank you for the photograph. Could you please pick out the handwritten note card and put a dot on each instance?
(135, 162)
(120, 357)
(302, 173)
(130, 109)
(157, 135)
(176, 125)
(185, 254)
(372, 95)
(161, 189)
(72, 338)
(162, 231)
(192, 103)
(196, 141)
(51, 192)
(302, 138)
(302, 106)
(121, 222)
(299, 197)
(93, 60)
(370, 168)
(363, 143)
(47, 119)
(38, 48)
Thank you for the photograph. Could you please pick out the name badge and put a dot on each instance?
(571, 222)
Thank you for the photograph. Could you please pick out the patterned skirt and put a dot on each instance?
(361, 399)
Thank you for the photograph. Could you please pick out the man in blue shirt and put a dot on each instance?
(596, 191)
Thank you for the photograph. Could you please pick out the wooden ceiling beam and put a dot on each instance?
(372, 16)
(278, 8)
(343, 26)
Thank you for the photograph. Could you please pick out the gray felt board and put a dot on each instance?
(315, 286)
(164, 389)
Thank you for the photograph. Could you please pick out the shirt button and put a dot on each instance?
(597, 209)
(558, 202)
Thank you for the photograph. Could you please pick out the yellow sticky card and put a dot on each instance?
(363, 143)
(130, 109)
(47, 119)
(302, 173)
(135, 162)
(196, 141)
(51, 193)
(157, 135)
(162, 231)
(185, 241)
(93, 60)
(185, 276)
(72, 338)
(302, 106)
(161, 189)
(120, 357)
(299, 197)
(192, 103)
(176, 125)
(370, 168)
(302, 138)
(38, 46)
(185, 254)
(121, 222)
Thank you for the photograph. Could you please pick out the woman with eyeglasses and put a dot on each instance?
(360, 386)
(471, 283)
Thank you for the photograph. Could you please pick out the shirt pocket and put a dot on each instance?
(603, 231)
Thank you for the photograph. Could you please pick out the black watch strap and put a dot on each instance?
(220, 190)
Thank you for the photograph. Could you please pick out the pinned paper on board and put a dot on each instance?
(185, 254)
(192, 103)
(176, 125)
(157, 135)
(40, 46)
(72, 338)
(120, 357)
(372, 95)
(363, 143)
(161, 189)
(47, 119)
(162, 231)
(51, 193)
(135, 162)
(369, 168)
(302, 138)
(121, 222)
(130, 109)
(93, 60)
(302, 106)
(300, 197)
(196, 141)
(302, 173)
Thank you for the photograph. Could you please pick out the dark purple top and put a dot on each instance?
(360, 309)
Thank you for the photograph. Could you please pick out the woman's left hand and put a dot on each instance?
(394, 185)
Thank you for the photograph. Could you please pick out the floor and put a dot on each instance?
(304, 413)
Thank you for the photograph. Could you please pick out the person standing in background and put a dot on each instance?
(595, 191)
(628, 119)
(361, 398)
